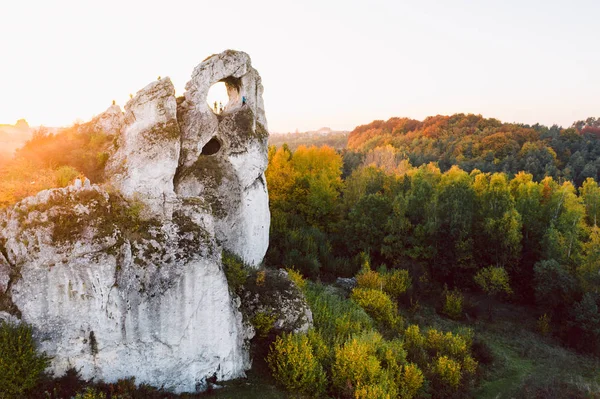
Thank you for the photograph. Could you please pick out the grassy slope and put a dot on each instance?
(525, 363)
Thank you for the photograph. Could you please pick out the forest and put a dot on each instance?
(463, 211)
(455, 257)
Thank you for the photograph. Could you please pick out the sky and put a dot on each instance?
(323, 62)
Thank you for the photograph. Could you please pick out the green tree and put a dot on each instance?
(20, 364)
(564, 238)
(590, 192)
(555, 288)
(499, 223)
(454, 237)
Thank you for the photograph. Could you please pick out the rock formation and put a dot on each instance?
(125, 279)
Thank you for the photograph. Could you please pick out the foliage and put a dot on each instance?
(368, 278)
(91, 393)
(396, 283)
(555, 288)
(493, 280)
(448, 370)
(473, 142)
(334, 317)
(378, 305)
(21, 365)
(453, 304)
(297, 278)
(235, 270)
(294, 365)
(263, 323)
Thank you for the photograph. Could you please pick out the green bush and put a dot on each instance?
(396, 283)
(453, 304)
(356, 363)
(91, 393)
(21, 365)
(235, 272)
(294, 365)
(448, 371)
(335, 318)
(263, 323)
(369, 279)
(379, 306)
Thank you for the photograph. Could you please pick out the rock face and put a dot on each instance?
(126, 279)
(232, 179)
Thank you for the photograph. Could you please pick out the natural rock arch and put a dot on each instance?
(87, 269)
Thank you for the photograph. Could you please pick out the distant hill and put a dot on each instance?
(474, 142)
(323, 136)
(13, 137)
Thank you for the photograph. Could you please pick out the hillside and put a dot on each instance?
(323, 136)
(474, 142)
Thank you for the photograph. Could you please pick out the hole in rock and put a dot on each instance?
(224, 95)
(212, 147)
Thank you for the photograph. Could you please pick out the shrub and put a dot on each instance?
(384, 389)
(321, 350)
(378, 305)
(448, 370)
(263, 323)
(235, 272)
(294, 366)
(369, 279)
(396, 283)
(448, 344)
(297, 278)
(469, 365)
(356, 363)
(335, 318)
(411, 381)
(21, 365)
(261, 276)
(91, 393)
(453, 304)
(493, 280)
(65, 175)
(413, 337)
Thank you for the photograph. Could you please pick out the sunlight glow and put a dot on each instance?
(217, 97)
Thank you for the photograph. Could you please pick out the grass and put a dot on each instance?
(525, 364)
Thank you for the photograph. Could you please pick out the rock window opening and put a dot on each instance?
(212, 147)
(224, 95)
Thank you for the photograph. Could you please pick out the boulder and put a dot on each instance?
(273, 294)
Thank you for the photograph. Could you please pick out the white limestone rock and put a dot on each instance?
(233, 177)
(117, 297)
(4, 274)
(110, 121)
(126, 280)
(147, 155)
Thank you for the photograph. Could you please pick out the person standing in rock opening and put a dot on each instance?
(220, 107)
(215, 107)
(243, 100)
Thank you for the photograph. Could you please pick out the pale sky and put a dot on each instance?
(323, 63)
